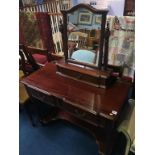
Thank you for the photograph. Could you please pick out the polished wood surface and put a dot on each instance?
(103, 101)
(94, 77)
(84, 70)
(96, 109)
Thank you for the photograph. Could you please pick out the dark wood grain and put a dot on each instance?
(89, 105)
(46, 80)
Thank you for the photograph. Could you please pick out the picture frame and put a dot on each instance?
(98, 19)
(85, 18)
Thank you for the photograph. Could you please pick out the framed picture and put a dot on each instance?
(98, 19)
(85, 18)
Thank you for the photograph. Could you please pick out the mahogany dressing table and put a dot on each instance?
(95, 104)
(96, 109)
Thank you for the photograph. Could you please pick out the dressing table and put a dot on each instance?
(64, 86)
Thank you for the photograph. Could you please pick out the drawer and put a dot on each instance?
(82, 114)
(79, 112)
(51, 100)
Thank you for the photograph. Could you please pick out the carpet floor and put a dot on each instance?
(56, 138)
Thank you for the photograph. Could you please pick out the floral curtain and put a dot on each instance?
(45, 30)
(29, 28)
(35, 29)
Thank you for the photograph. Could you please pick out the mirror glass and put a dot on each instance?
(83, 31)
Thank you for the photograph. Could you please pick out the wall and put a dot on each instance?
(116, 7)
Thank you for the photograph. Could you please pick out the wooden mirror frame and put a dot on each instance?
(103, 13)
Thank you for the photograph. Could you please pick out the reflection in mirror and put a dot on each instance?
(83, 30)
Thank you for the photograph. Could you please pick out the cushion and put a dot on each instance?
(41, 59)
(84, 56)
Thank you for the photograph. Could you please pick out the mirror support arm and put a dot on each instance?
(107, 34)
(102, 39)
(64, 34)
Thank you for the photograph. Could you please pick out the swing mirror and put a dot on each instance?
(83, 42)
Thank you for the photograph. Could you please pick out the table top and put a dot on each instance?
(105, 102)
